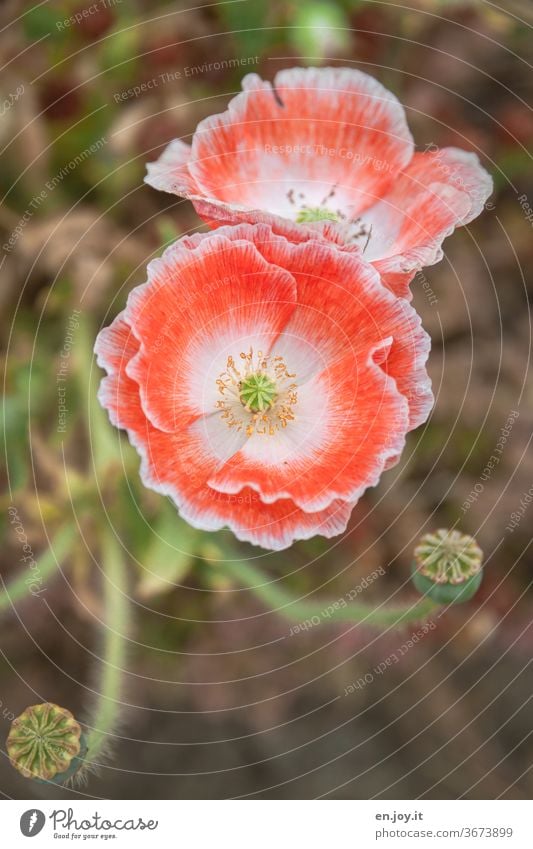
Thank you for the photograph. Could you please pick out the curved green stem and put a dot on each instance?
(281, 601)
(116, 618)
(32, 581)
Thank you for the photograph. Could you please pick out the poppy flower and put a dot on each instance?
(328, 149)
(265, 383)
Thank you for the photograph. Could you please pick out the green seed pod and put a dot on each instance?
(75, 765)
(45, 743)
(447, 566)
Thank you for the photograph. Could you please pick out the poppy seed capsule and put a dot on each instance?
(44, 741)
(447, 566)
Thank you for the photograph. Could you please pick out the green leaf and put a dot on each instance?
(169, 555)
(35, 582)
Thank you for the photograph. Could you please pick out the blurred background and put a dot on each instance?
(219, 698)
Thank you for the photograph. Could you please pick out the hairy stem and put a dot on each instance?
(282, 602)
(116, 617)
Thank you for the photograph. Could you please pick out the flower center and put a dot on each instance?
(258, 396)
(308, 214)
(258, 392)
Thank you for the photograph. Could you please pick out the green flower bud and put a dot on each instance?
(45, 742)
(320, 29)
(447, 566)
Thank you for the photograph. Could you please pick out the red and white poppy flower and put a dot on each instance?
(327, 149)
(265, 384)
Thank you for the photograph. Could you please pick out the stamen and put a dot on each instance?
(258, 397)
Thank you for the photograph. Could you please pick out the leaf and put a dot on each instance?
(169, 555)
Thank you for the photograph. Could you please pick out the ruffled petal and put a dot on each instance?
(202, 304)
(361, 382)
(173, 466)
(351, 420)
(170, 173)
(115, 346)
(333, 138)
(274, 526)
(317, 133)
(344, 308)
(436, 193)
